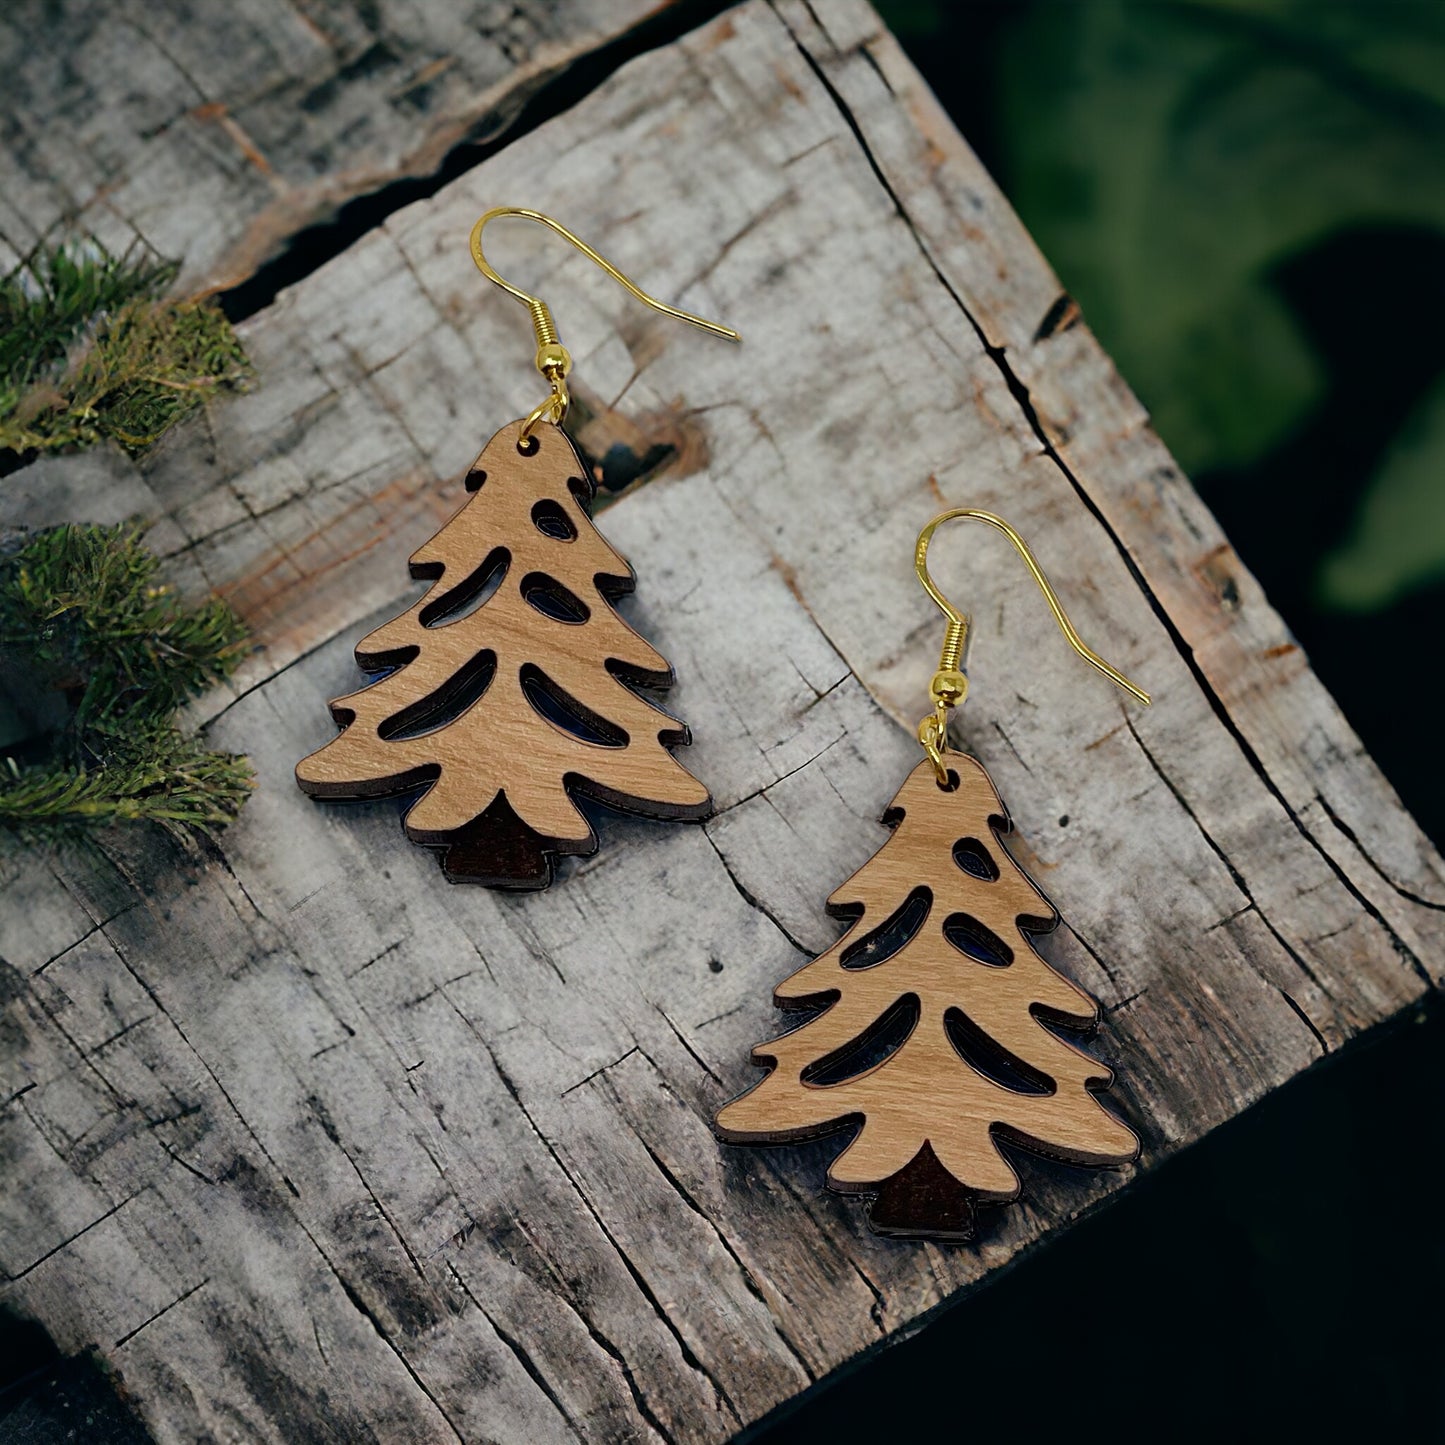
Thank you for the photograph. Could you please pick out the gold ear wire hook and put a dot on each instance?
(554, 361)
(949, 686)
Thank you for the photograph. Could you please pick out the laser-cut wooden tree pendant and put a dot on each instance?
(509, 687)
(935, 1033)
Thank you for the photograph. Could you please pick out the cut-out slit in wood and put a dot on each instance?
(551, 520)
(879, 945)
(381, 664)
(636, 680)
(549, 597)
(991, 1059)
(975, 860)
(979, 942)
(443, 707)
(977, 1062)
(879, 1041)
(470, 593)
(563, 710)
(1080, 1021)
(504, 718)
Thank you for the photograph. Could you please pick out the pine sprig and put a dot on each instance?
(49, 299)
(172, 780)
(85, 602)
(89, 351)
(82, 611)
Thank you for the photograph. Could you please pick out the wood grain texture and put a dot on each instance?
(510, 685)
(214, 130)
(940, 946)
(317, 1147)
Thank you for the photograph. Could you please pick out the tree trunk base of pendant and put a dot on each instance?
(499, 850)
(923, 1201)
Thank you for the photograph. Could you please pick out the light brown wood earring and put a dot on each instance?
(509, 688)
(932, 1027)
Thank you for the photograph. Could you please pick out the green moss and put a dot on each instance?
(84, 615)
(90, 350)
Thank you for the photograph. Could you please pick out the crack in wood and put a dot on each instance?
(166, 1309)
(520, 1354)
(364, 205)
(365, 1311)
(751, 898)
(1409, 895)
(688, 1356)
(1235, 875)
(1307, 1021)
(749, 1280)
(67, 1242)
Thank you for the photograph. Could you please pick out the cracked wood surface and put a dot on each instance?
(213, 130)
(315, 1146)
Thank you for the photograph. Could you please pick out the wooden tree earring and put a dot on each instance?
(510, 687)
(933, 1020)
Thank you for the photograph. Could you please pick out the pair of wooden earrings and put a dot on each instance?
(509, 691)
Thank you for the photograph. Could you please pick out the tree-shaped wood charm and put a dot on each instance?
(509, 687)
(936, 1035)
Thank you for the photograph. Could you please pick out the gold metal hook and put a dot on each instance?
(949, 686)
(554, 361)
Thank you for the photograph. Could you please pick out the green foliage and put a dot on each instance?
(1398, 540)
(912, 20)
(82, 613)
(85, 603)
(88, 350)
(49, 300)
(164, 778)
(1170, 156)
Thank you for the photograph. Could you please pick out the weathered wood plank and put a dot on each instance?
(319, 1147)
(215, 131)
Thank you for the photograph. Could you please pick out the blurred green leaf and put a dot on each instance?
(1168, 156)
(912, 19)
(1398, 540)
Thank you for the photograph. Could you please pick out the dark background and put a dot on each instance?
(1247, 197)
